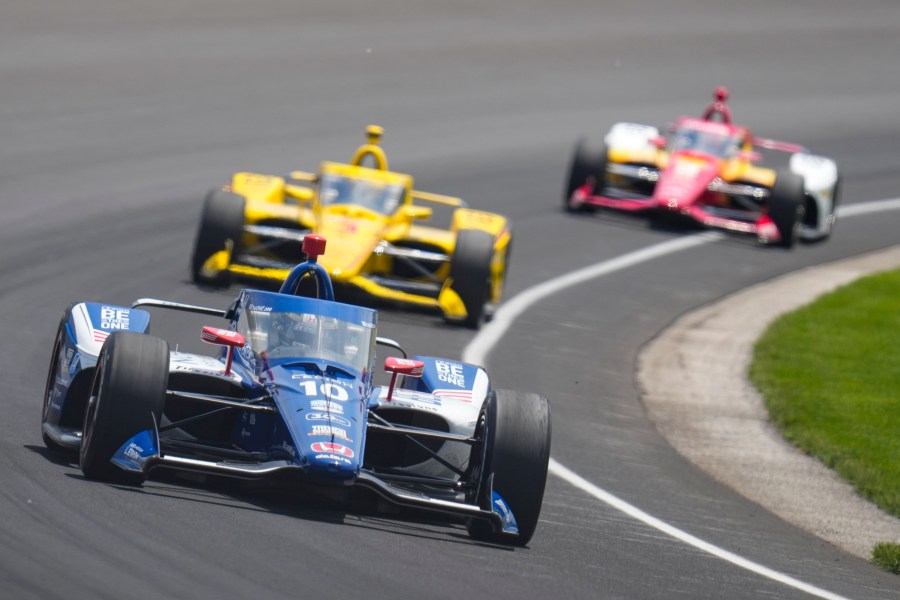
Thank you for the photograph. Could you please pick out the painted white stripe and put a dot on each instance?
(865, 208)
(490, 334)
(636, 513)
(477, 350)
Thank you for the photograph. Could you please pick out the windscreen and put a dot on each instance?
(291, 335)
(719, 144)
(373, 195)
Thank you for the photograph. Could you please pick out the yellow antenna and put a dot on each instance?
(371, 148)
(374, 133)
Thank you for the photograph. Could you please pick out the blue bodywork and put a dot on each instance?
(276, 410)
(319, 425)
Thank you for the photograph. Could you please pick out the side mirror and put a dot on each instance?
(223, 337)
(659, 142)
(401, 366)
(415, 212)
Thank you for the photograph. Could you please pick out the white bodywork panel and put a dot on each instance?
(820, 177)
(819, 173)
(183, 362)
(631, 136)
(459, 409)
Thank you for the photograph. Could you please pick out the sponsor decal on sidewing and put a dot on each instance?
(415, 398)
(450, 372)
(204, 365)
(114, 317)
(462, 395)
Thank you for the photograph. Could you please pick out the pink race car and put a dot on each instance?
(707, 170)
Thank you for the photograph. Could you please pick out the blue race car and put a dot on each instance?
(292, 394)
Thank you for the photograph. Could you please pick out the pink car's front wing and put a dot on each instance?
(764, 228)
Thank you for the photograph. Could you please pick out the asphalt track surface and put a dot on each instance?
(117, 116)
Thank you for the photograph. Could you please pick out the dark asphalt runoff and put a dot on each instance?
(117, 116)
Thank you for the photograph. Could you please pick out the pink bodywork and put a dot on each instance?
(683, 184)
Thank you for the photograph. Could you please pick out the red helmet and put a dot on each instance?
(718, 107)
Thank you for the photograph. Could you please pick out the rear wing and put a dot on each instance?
(303, 176)
(438, 199)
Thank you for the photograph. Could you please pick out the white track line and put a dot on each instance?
(490, 334)
(632, 511)
(865, 208)
(481, 345)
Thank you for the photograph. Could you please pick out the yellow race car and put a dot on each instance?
(371, 216)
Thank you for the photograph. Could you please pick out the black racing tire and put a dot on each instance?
(222, 219)
(786, 206)
(588, 160)
(470, 272)
(516, 451)
(52, 373)
(127, 396)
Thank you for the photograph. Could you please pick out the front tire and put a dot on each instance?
(52, 373)
(588, 160)
(516, 451)
(470, 272)
(127, 396)
(786, 206)
(222, 220)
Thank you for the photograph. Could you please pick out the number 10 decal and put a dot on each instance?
(328, 390)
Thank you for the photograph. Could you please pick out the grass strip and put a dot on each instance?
(830, 376)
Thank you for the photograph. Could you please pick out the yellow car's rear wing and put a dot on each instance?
(303, 176)
(438, 199)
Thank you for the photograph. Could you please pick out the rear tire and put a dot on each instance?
(786, 206)
(470, 272)
(588, 160)
(222, 220)
(516, 451)
(127, 396)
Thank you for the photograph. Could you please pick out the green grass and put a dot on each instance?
(887, 556)
(830, 376)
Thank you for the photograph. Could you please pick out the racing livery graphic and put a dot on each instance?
(707, 170)
(290, 394)
(253, 228)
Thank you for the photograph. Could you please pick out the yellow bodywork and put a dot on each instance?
(357, 236)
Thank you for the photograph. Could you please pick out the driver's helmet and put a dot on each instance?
(687, 138)
(390, 199)
(369, 195)
(296, 329)
(335, 189)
